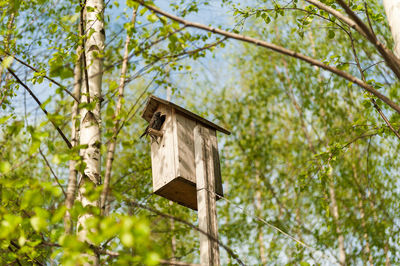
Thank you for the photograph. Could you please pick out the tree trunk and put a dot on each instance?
(386, 247)
(336, 218)
(173, 240)
(113, 141)
(10, 25)
(91, 119)
(258, 200)
(332, 194)
(362, 216)
(73, 173)
(392, 9)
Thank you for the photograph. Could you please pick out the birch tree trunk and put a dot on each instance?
(72, 179)
(332, 194)
(10, 25)
(336, 218)
(113, 141)
(258, 205)
(367, 248)
(91, 119)
(392, 9)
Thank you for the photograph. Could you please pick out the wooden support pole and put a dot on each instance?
(206, 200)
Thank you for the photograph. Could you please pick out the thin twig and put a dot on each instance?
(369, 20)
(280, 50)
(392, 61)
(230, 252)
(45, 76)
(176, 263)
(112, 144)
(270, 225)
(374, 103)
(83, 37)
(41, 107)
(51, 170)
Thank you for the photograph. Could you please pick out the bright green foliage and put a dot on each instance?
(299, 134)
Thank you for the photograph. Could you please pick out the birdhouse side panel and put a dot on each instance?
(186, 167)
(162, 159)
(217, 166)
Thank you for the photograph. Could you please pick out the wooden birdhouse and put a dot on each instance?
(173, 152)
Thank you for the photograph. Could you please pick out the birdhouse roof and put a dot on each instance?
(153, 102)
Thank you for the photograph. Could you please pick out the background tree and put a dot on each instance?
(310, 171)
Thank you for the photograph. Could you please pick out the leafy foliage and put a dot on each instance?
(309, 153)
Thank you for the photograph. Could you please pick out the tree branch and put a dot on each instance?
(228, 250)
(41, 107)
(389, 57)
(280, 50)
(51, 170)
(376, 106)
(45, 76)
(81, 35)
(112, 144)
(177, 263)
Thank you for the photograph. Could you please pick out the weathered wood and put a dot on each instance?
(185, 147)
(173, 155)
(181, 191)
(154, 102)
(163, 164)
(217, 166)
(206, 200)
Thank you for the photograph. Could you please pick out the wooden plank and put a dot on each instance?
(186, 166)
(206, 201)
(153, 103)
(162, 159)
(180, 191)
(217, 164)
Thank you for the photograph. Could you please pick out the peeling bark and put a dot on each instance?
(392, 9)
(91, 119)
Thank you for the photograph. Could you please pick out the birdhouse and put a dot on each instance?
(173, 151)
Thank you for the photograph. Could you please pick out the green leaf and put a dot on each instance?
(38, 223)
(152, 18)
(331, 34)
(5, 167)
(90, 9)
(7, 62)
(132, 4)
(5, 118)
(142, 11)
(127, 239)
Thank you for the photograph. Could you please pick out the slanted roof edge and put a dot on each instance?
(184, 111)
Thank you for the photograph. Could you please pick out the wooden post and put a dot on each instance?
(206, 200)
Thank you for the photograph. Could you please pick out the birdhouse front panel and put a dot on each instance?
(163, 163)
(173, 152)
(173, 165)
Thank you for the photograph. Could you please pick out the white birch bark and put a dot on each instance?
(91, 120)
(72, 179)
(392, 9)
